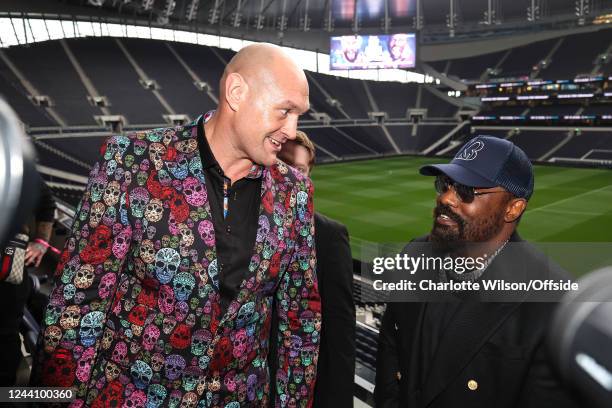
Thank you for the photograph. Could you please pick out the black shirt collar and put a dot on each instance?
(208, 159)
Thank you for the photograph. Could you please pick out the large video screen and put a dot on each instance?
(373, 51)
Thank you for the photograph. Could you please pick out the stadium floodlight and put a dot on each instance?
(329, 19)
(192, 10)
(418, 19)
(237, 16)
(583, 8)
(167, 12)
(259, 22)
(305, 21)
(147, 5)
(451, 18)
(490, 14)
(533, 11)
(282, 20)
(215, 12)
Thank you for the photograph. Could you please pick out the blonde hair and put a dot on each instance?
(302, 139)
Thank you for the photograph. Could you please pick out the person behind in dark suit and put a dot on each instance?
(466, 352)
(336, 368)
(27, 248)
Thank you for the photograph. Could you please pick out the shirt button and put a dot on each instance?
(472, 385)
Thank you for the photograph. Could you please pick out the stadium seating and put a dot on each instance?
(48, 68)
(337, 142)
(554, 110)
(536, 143)
(366, 345)
(393, 98)
(474, 67)
(110, 72)
(176, 86)
(116, 69)
(576, 55)
(13, 91)
(584, 143)
(521, 60)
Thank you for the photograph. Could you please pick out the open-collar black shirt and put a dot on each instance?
(236, 232)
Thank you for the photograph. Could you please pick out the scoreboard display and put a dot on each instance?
(373, 51)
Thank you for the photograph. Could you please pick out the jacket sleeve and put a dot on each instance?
(45, 210)
(299, 311)
(339, 321)
(386, 392)
(543, 389)
(86, 277)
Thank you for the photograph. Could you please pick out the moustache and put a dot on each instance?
(443, 209)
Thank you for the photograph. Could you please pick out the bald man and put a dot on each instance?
(184, 242)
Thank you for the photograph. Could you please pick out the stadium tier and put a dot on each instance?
(587, 143)
(563, 57)
(522, 60)
(145, 81)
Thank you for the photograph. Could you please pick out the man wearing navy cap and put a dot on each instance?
(466, 352)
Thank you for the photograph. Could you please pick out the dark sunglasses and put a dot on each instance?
(465, 193)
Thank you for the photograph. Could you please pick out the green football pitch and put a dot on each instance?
(388, 201)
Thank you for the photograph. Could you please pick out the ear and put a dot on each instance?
(236, 89)
(514, 209)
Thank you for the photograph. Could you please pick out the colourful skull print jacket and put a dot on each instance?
(135, 318)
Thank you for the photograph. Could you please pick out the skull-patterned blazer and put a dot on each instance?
(135, 317)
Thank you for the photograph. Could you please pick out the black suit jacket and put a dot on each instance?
(336, 367)
(492, 354)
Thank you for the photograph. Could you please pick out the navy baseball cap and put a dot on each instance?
(487, 161)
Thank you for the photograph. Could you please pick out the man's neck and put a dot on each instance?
(479, 249)
(233, 161)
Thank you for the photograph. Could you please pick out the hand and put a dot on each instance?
(34, 254)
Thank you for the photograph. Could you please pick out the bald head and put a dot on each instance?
(263, 64)
(262, 94)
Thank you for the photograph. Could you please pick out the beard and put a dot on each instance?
(449, 239)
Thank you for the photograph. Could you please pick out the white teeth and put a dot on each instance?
(274, 142)
(446, 217)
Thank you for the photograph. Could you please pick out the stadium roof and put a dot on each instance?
(339, 16)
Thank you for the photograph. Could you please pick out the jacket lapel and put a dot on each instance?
(473, 324)
(267, 243)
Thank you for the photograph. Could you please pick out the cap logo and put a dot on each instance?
(471, 151)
